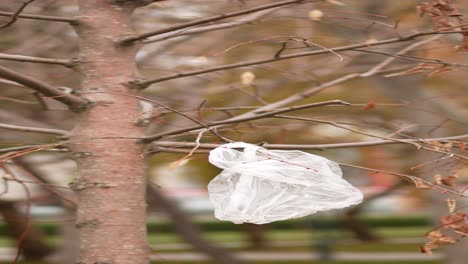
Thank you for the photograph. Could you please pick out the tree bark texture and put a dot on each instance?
(111, 172)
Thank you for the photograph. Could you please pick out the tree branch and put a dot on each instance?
(130, 40)
(411, 178)
(190, 145)
(34, 129)
(141, 84)
(184, 32)
(75, 103)
(243, 119)
(67, 63)
(273, 108)
(39, 17)
(15, 15)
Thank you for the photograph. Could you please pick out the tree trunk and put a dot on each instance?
(110, 184)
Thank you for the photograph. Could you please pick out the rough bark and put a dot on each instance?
(110, 182)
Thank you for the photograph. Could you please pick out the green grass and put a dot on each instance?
(316, 222)
(305, 239)
(273, 262)
(271, 235)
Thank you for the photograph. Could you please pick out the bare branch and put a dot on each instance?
(75, 103)
(14, 16)
(213, 131)
(273, 108)
(246, 20)
(190, 145)
(67, 63)
(408, 177)
(25, 147)
(390, 59)
(418, 146)
(243, 119)
(314, 90)
(34, 129)
(141, 84)
(129, 40)
(39, 17)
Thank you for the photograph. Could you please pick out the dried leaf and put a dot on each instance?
(428, 247)
(438, 179)
(454, 220)
(315, 15)
(369, 105)
(335, 2)
(178, 163)
(434, 234)
(462, 145)
(371, 41)
(463, 230)
(247, 78)
(422, 67)
(446, 240)
(449, 181)
(439, 70)
(463, 47)
(421, 184)
(452, 204)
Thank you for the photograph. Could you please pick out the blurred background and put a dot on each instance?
(388, 227)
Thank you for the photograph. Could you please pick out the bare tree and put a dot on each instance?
(112, 125)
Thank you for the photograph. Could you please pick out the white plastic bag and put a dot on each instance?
(261, 186)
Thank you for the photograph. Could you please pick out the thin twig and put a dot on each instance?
(141, 84)
(243, 119)
(408, 177)
(191, 31)
(167, 144)
(129, 40)
(40, 17)
(63, 62)
(15, 15)
(170, 109)
(34, 129)
(197, 142)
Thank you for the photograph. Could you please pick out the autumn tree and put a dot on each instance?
(266, 72)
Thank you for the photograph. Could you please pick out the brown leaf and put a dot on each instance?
(369, 105)
(449, 181)
(434, 234)
(428, 247)
(463, 230)
(455, 220)
(438, 179)
(439, 70)
(462, 145)
(463, 47)
(446, 240)
(421, 67)
(421, 184)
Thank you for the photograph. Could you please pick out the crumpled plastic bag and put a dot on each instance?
(261, 186)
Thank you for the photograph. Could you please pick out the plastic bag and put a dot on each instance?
(261, 186)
